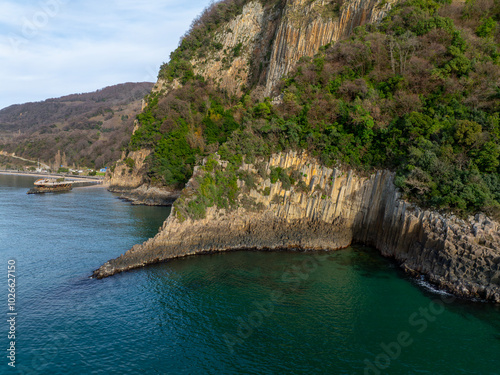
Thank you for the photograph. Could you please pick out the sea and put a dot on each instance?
(245, 312)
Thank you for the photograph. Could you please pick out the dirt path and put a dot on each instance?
(23, 159)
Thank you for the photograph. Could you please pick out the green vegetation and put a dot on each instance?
(182, 125)
(199, 39)
(214, 186)
(282, 175)
(198, 42)
(418, 95)
(129, 162)
(237, 49)
(90, 129)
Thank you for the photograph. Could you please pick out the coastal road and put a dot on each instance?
(90, 179)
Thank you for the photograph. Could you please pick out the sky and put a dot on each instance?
(51, 48)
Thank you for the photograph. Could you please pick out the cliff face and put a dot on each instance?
(262, 44)
(129, 171)
(229, 66)
(336, 209)
(305, 26)
(258, 47)
(128, 178)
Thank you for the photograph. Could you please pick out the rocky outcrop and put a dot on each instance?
(257, 47)
(228, 66)
(333, 209)
(147, 195)
(163, 85)
(128, 178)
(263, 44)
(128, 173)
(307, 25)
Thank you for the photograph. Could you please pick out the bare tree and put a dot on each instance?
(401, 49)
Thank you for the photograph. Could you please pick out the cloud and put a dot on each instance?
(52, 48)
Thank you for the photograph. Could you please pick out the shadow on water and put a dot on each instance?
(294, 272)
(368, 262)
(235, 270)
(371, 264)
(240, 267)
(468, 309)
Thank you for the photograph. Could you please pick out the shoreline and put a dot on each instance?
(96, 180)
(456, 255)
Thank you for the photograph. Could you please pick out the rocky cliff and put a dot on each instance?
(128, 177)
(262, 44)
(305, 26)
(256, 48)
(329, 209)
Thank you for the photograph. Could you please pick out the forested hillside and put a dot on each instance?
(418, 94)
(91, 129)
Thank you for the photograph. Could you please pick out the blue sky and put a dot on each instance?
(50, 48)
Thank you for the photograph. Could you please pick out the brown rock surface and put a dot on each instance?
(306, 25)
(128, 178)
(274, 39)
(125, 176)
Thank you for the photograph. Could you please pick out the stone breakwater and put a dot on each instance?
(338, 209)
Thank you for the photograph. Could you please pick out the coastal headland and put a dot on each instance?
(325, 124)
(338, 208)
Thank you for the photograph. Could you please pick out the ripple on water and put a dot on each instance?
(204, 314)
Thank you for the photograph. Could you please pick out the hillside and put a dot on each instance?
(233, 56)
(416, 94)
(242, 44)
(389, 137)
(90, 129)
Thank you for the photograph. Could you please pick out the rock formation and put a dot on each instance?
(336, 209)
(128, 178)
(327, 209)
(261, 45)
(305, 26)
(229, 66)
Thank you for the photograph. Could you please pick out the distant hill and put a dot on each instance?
(90, 128)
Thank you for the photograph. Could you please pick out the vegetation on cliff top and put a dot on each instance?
(418, 94)
(199, 39)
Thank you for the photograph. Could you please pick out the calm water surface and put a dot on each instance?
(348, 312)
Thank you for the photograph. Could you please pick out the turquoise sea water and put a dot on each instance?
(348, 312)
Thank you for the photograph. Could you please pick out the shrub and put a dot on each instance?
(129, 162)
(415, 95)
(486, 28)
